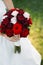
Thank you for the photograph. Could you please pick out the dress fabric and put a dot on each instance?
(2, 9)
(28, 56)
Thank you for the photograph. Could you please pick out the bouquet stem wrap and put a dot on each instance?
(17, 46)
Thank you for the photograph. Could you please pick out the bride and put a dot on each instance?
(28, 54)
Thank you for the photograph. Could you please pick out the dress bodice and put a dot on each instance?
(2, 9)
(2, 5)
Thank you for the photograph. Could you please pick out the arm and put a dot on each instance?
(13, 38)
(9, 4)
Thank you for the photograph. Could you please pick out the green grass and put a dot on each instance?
(42, 62)
(35, 8)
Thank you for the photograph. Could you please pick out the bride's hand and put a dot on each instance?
(0, 33)
(13, 38)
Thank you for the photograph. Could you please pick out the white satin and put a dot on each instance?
(2, 9)
(28, 55)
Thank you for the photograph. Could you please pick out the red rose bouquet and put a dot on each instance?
(16, 21)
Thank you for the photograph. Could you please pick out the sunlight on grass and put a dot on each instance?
(36, 36)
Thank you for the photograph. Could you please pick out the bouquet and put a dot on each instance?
(16, 21)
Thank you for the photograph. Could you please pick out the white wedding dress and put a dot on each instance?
(28, 56)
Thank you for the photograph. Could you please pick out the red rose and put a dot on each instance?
(21, 11)
(17, 28)
(5, 21)
(3, 28)
(9, 32)
(9, 26)
(24, 32)
(20, 17)
(3, 31)
(0, 28)
(25, 23)
(9, 13)
(29, 21)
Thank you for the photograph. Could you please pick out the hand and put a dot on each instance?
(13, 38)
(0, 33)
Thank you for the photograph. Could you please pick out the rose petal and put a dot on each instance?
(4, 17)
(26, 15)
(24, 32)
(17, 28)
(13, 20)
(14, 13)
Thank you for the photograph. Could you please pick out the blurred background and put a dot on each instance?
(35, 8)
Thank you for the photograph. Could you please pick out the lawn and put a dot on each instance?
(35, 8)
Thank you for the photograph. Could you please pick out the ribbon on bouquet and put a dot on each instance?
(17, 47)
